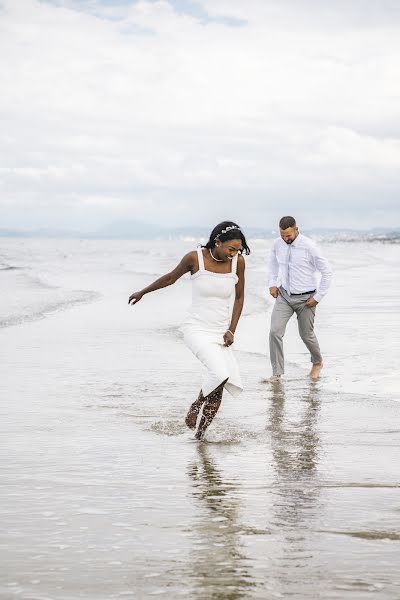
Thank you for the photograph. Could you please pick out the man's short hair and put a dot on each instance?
(287, 222)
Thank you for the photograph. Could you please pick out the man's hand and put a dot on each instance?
(311, 302)
(274, 291)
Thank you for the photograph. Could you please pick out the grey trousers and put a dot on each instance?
(284, 308)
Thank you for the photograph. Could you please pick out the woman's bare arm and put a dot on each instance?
(185, 266)
(238, 304)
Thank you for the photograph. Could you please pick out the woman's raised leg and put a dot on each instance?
(193, 413)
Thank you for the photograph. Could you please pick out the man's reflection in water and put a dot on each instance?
(219, 568)
(295, 446)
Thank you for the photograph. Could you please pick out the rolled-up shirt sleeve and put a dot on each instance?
(322, 265)
(273, 268)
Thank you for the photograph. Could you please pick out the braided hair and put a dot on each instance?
(227, 230)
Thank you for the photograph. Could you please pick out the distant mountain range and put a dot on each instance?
(137, 230)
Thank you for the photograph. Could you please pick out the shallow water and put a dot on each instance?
(105, 494)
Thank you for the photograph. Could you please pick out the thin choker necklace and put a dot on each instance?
(217, 259)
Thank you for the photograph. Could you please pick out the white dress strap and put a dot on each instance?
(234, 263)
(200, 258)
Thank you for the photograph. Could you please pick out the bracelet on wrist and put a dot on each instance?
(229, 331)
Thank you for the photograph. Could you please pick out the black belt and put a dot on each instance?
(303, 293)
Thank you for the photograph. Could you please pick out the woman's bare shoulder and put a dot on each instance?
(190, 259)
(190, 255)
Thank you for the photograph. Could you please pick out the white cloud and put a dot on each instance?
(138, 110)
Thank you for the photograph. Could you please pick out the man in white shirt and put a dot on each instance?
(294, 264)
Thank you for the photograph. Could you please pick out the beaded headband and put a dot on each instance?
(229, 228)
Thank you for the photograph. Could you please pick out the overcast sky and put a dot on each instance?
(189, 112)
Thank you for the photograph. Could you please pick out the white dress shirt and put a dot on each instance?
(295, 267)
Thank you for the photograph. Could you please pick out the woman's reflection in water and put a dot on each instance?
(295, 446)
(219, 567)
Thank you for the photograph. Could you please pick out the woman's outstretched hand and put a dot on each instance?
(228, 338)
(135, 297)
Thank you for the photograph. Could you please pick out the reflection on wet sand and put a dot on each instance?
(295, 445)
(219, 566)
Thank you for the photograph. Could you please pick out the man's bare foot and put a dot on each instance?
(316, 368)
(272, 379)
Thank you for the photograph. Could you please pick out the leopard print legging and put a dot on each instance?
(211, 404)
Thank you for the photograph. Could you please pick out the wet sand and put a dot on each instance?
(105, 493)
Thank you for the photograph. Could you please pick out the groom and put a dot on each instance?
(295, 262)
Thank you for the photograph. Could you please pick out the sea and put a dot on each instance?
(105, 494)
